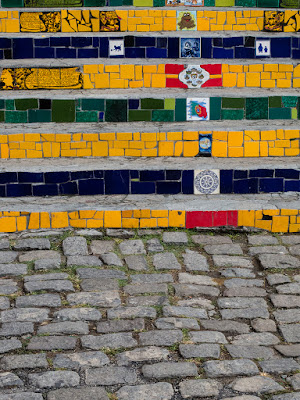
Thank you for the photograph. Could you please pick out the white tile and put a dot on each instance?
(197, 109)
(207, 181)
(263, 48)
(116, 47)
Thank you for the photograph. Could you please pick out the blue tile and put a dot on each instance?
(6, 43)
(88, 53)
(91, 186)
(68, 188)
(281, 47)
(152, 52)
(60, 41)
(134, 174)
(99, 174)
(222, 53)
(42, 42)
(206, 48)
(133, 104)
(270, 185)
(168, 187)
(8, 177)
(173, 47)
(45, 190)
(152, 175)
(287, 173)
(2, 190)
(244, 52)
(23, 48)
(57, 177)
(129, 41)
(65, 53)
(296, 54)
(81, 41)
(295, 43)
(161, 42)
(226, 177)
(82, 175)
(44, 52)
(30, 177)
(261, 173)
(144, 41)
(173, 175)
(234, 41)
(116, 182)
(142, 187)
(240, 174)
(244, 186)
(1, 54)
(218, 42)
(135, 52)
(292, 186)
(18, 190)
(96, 42)
(187, 182)
(104, 44)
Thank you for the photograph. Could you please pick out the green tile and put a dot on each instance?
(115, 3)
(233, 102)
(16, 117)
(78, 104)
(152, 104)
(289, 101)
(9, 104)
(257, 108)
(158, 3)
(39, 116)
(87, 116)
(280, 113)
(275, 101)
(1, 116)
(116, 111)
(294, 113)
(215, 108)
(63, 110)
(169, 104)
(163, 115)
(94, 3)
(92, 104)
(180, 110)
(26, 104)
(2, 104)
(290, 4)
(127, 2)
(209, 3)
(143, 3)
(267, 3)
(139, 115)
(11, 3)
(224, 3)
(232, 114)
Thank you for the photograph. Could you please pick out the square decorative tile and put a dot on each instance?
(186, 21)
(190, 47)
(263, 48)
(197, 109)
(205, 141)
(116, 47)
(207, 181)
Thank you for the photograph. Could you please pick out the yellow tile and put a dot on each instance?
(59, 219)
(178, 149)
(263, 149)
(278, 152)
(165, 149)
(284, 83)
(253, 79)
(8, 224)
(78, 223)
(235, 151)
(3, 138)
(45, 220)
(169, 24)
(34, 221)
(86, 214)
(127, 213)
(102, 81)
(116, 152)
(21, 223)
(158, 81)
(112, 68)
(190, 149)
(235, 139)
(17, 153)
(262, 224)
(4, 151)
(148, 223)
(174, 135)
(240, 80)
(296, 83)
(268, 135)
(112, 219)
(94, 223)
(229, 80)
(130, 223)
(142, 28)
(159, 213)
(32, 137)
(285, 211)
(271, 67)
(219, 149)
(117, 84)
(149, 69)
(256, 68)
(162, 222)
(149, 136)
(90, 69)
(132, 153)
(146, 213)
(17, 137)
(149, 153)
(193, 135)
(235, 68)
(177, 219)
(253, 134)
(127, 71)
(280, 224)
(34, 154)
(99, 215)
(294, 228)
(251, 149)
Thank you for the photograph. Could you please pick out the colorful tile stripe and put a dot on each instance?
(93, 20)
(283, 220)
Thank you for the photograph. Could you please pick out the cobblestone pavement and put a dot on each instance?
(149, 315)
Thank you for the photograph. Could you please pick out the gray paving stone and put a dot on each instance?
(243, 397)
(8, 256)
(189, 312)
(142, 354)
(21, 396)
(67, 327)
(4, 303)
(226, 249)
(208, 337)
(250, 351)
(225, 326)
(39, 255)
(136, 262)
(295, 381)
(85, 393)
(289, 288)
(262, 240)
(256, 384)
(152, 278)
(143, 288)
(52, 285)
(91, 261)
(108, 298)
(154, 300)
(128, 247)
(285, 301)
(131, 312)
(7, 286)
(197, 302)
(78, 314)
(39, 300)
(89, 232)
(199, 350)
(32, 244)
(287, 316)
(164, 370)
(295, 250)
(290, 332)
(111, 259)
(151, 391)
(186, 290)
(120, 233)
(46, 277)
(25, 315)
(256, 338)
(154, 246)
(281, 366)
(160, 338)
(52, 343)
(290, 350)
(76, 245)
(275, 279)
(111, 340)
(80, 360)
(200, 388)
(232, 261)
(8, 379)
(253, 251)
(16, 328)
(220, 369)
(263, 325)
(208, 239)
(95, 273)
(24, 361)
(102, 246)
(176, 323)
(241, 302)
(7, 345)
(110, 375)
(4, 244)
(122, 325)
(175, 237)
(196, 279)
(237, 272)
(12, 269)
(247, 313)
(239, 282)
(98, 285)
(245, 292)
(165, 260)
(194, 261)
(54, 379)
(287, 396)
(46, 263)
(281, 261)
(290, 239)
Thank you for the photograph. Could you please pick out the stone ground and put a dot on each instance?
(149, 315)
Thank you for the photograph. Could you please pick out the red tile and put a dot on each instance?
(213, 69)
(199, 218)
(173, 68)
(220, 218)
(175, 83)
(232, 217)
(213, 82)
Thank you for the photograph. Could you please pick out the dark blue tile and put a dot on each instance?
(142, 187)
(8, 177)
(244, 186)
(30, 177)
(226, 177)
(135, 52)
(1, 55)
(104, 44)
(244, 52)
(144, 41)
(270, 185)
(152, 52)
(173, 47)
(44, 52)
(292, 186)
(81, 41)
(222, 53)
(91, 186)
(240, 174)
(261, 173)
(218, 42)
(82, 175)
(57, 177)
(68, 188)
(206, 48)
(173, 175)
(96, 42)
(234, 41)
(99, 174)
(45, 190)
(65, 53)
(187, 182)
(296, 54)
(133, 104)
(134, 174)
(161, 42)
(6, 43)
(152, 175)
(287, 173)
(88, 53)
(281, 47)
(60, 41)
(7, 53)
(129, 41)
(116, 182)
(2, 190)
(42, 42)
(23, 48)
(168, 187)
(295, 43)
(18, 190)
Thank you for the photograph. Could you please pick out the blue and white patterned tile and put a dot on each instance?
(207, 181)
